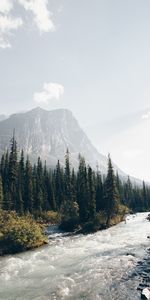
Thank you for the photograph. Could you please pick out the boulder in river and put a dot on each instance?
(145, 294)
(148, 217)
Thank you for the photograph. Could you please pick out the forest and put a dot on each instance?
(84, 199)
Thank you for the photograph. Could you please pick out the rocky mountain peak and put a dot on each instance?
(48, 134)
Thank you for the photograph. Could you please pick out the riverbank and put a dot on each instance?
(143, 270)
(22, 233)
(97, 223)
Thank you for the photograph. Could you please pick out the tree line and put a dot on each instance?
(78, 195)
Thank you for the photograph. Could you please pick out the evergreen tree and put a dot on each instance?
(92, 196)
(69, 207)
(82, 191)
(128, 194)
(21, 185)
(1, 193)
(28, 199)
(112, 195)
(145, 198)
(77, 195)
(45, 188)
(5, 180)
(99, 192)
(67, 179)
(2, 165)
(59, 185)
(51, 193)
(39, 187)
(13, 174)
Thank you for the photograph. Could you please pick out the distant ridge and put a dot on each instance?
(48, 134)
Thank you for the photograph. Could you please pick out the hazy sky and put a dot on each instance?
(91, 56)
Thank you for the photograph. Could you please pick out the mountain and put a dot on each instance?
(48, 134)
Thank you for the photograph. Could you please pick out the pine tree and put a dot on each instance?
(67, 178)
(2, 165)
(69, 207)
(28, 199)
(5, 180)
(1, 193)
(45, 188)
(99, 192)
(49, 183)
(39, 187)
(74, 185)
(144, 194)
(112, 195)
(82, 191)
(13, 173)
(128, 194)
(92, 196)
(21, 184)
(59, 185)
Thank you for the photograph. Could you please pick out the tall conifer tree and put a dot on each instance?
(1, 193)
(112, 197)
(92, 194)
(13, 173)
(28, 199)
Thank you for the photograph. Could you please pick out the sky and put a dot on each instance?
(90, 56)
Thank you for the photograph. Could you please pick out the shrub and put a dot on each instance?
(19, 233)
(48, 217)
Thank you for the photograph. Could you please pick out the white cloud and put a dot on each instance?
(7, 25)
(42, 16)
(6, 6)
(146, 116)
(50, 91)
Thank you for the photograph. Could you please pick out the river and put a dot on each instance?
(95, 266)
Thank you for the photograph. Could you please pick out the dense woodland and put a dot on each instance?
(78, 196)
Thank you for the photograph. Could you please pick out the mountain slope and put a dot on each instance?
(48, 134)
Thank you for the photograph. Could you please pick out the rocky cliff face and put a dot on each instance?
(48, 134)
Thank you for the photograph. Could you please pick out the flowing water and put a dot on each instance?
(97, 266)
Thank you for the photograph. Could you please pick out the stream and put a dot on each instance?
(105, 265)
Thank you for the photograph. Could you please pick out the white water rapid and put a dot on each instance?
(89, 267)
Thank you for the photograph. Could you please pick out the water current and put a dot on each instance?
(95, 266)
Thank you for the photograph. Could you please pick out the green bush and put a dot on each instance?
(48, 217)
(19, 233)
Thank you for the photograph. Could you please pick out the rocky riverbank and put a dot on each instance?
(144, 273)
(143, 270)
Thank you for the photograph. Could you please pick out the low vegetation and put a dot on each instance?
(19, 233)
(48, 217)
